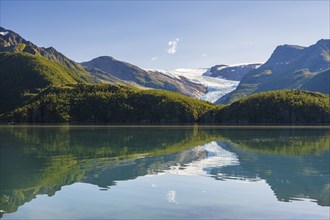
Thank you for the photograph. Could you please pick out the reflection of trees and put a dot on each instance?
(280, 140)
(42, 160)
(106, 142)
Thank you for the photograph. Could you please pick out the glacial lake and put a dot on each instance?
(169, 172)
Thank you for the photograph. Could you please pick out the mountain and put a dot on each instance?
(289, 67)
(106, 78)
(103, 69)
(133, 74)
(27, 69)
(232, 72)
(13, 42)
(319, 83)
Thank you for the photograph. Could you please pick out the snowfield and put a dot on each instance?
(216, 86)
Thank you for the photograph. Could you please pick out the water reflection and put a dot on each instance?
(35, 161)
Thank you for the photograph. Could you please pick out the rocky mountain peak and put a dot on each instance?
(284, 54)
(234, 72)
(324, 42)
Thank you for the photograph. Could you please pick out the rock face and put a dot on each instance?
(151, 79)
(289, 67)
(235, 73)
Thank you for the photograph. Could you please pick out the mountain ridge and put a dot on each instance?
(152, 79)
(13, 42)
(289, 67)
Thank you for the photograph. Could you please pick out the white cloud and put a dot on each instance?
(204, 55)
(154, 58)
(172, 46)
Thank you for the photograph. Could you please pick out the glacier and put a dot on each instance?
(216, 86)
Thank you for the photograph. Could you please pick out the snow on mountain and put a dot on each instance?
(216, 86)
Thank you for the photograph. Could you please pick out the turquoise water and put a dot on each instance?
(100, 172)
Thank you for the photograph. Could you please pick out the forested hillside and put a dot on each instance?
(121, 104)
(275, 107)
(23, 75)
(109, 103)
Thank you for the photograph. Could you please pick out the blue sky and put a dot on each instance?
(168, 34)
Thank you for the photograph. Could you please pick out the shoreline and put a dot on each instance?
(224, 126)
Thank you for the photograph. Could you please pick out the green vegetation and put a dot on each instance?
(23, 75)
(55, 56)
(279, 107)
(109, 103)
(121, 104)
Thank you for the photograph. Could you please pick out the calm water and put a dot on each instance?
(164, 172)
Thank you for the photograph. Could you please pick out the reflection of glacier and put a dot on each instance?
(215, 156)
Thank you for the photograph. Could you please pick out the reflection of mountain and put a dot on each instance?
(295, 163)
(38, 161)
(290, 177)
(42, 160)
(105, 174)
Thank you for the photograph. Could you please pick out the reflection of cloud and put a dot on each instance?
(154, 58)
(154, 186)
(172, 46)
(171, 197)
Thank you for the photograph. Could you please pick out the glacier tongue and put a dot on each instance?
(216, 86)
